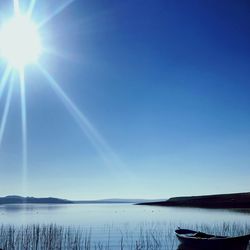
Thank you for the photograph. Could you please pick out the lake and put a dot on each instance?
(108, 223)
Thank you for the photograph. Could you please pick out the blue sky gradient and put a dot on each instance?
(165, 83)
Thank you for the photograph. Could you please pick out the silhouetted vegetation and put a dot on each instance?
(40, 237)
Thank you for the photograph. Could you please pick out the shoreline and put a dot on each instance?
(218, 201)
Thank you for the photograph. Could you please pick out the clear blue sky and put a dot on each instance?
(165, 83)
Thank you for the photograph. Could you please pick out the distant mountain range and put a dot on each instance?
(237, 200)
(14, 199)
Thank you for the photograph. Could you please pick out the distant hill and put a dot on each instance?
(13, 199)
(114, 201)
(237, 200)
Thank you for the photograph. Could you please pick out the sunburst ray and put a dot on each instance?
(55, 13)
(104, 150)
(5, 113)
(24, 129)
(31, 7)
(4, 80)
(16, 5)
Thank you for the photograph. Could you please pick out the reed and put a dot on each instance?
(143, 237)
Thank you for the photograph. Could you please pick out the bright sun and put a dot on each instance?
(20, 42)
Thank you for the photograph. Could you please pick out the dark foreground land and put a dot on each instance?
(238, 200)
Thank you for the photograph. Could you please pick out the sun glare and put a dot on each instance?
(20, 45)
(20, 42)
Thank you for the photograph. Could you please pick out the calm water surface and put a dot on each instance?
(115, 220)
(99, 214)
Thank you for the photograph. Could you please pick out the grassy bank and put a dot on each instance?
(148, 237)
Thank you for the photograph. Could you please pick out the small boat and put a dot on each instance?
(200, 240)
